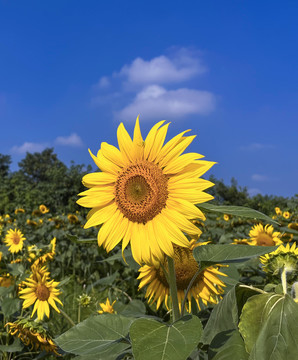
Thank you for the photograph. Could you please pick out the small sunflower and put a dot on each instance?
(286, 214)
(207, 286)
(278, 211)
(264, 236)
(145, 191)
(107, 307)
(73, 219)
(226, 217)
(293, 226)
(14, 239)
(19, 211)
(41, 292)
(283, 257)
(32, 334)
(43, 209)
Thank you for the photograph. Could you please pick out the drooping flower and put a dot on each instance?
(41, 292)
(48, 255)
(206, 288)
(284, 257)
(107, 307)
(32, 334)
(14, 239)
(146, 192)
(264, 236)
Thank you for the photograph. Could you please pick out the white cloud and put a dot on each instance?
(28, 147)
(156, 102)
(71, 140)
(256, 147)
(258, 177)
(103, 83)
(162, 69)
(254, 191)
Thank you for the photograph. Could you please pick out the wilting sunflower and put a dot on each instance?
(41, 292)
(146, 192)
(14, 239)
(283, 257)
(32, 334)
(207, 286)
(107, 307)
(264, 236)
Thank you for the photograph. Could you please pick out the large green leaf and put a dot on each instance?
(14, 347)
(229, 253)
(233, 349)
(269, 326)
(101, 335)
(225, 315)
(135, 308)
(153, 340)
(10, 306)
(241, 211)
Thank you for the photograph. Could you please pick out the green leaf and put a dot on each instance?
(134, 308)
(288, 230)
(75, 239)
(16, 269)
(14, 347)
(101, 335)
(229, 253)
(153, 340)
(241, 211)
(269, 326)
(233, 349)
(225, 314)
(10, 306)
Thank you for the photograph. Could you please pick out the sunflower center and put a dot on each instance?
(185, 268)
(141, 191)
(16, 239)
(264, 239)
(42, 292)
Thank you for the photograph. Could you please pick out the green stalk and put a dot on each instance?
(284, 280)
(67, 317)
(173, 289)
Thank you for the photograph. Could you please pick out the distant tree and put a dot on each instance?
(5, 161)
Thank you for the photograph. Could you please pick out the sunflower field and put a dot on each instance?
(144, 259)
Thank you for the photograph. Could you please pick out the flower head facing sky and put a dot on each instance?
(145, 192)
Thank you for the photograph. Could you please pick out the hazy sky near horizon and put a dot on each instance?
(71, 71)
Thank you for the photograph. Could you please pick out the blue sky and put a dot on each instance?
(71, 71)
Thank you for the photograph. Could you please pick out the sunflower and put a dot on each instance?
(286, 214)
(207, 287)
(32, 334)
(264, 236)
(47, 256)
(43, 209)
(278, 211)
(107, 307)
(226, 217)
(19, 211)
(240, 242)
(145, 192)
(73, 219)
(14, 239)
(283, 257)
(293, 226)
(41, 291)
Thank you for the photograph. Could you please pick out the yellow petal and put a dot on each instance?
(181, 162)
(138, 141)
(125, 143)
(101, 216)
(113, 154)
(104, 164)
(151, 138)
(158, 142)
(98, 178)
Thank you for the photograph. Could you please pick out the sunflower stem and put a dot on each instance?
(284, 280)
(67, 317)
(173, 288)
(187, 290)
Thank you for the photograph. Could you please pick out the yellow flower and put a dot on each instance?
(264, 236)
(146, 192)
(207, 287)
(1, 253)
(278, 211)
(19, 211)
(31, 222)
(14, 239)
(32, 334)
(240, 242)
(43, 209)
(107, 307)
(293, 226)
(6, 280)
(226, 217)
(41, 292)
(47, 256)
(73, 219)
(286, 214)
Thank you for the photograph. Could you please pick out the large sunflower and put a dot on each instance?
(14, 239)
(264, 236)
(146, 192)
(207, 287)
(41, 292)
